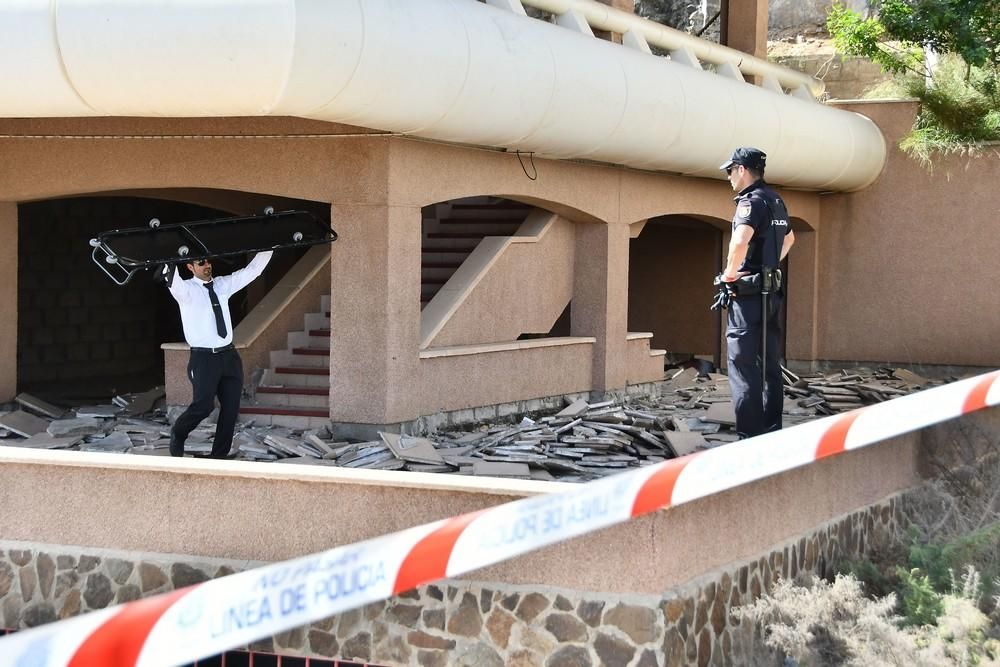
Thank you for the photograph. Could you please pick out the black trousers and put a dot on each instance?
(212, 375)
(758, 402)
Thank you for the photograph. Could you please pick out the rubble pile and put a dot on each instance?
(850, 389)
(584, 441)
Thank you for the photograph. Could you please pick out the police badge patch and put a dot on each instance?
(743, 209)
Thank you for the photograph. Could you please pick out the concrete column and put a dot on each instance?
(745, 27)
(374, 313)
(600, 298)
(8, 300)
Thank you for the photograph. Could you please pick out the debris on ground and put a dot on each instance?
(581, 442)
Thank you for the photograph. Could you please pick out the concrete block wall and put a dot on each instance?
(75, 325)
(74, 322)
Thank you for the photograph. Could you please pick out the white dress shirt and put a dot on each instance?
(197, 315)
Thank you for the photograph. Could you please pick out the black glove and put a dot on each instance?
(164, 273)
(722, 300)
(724, 297)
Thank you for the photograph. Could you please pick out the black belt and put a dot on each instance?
(753, 283)
(214, 350)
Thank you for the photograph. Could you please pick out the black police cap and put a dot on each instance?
(752, 158)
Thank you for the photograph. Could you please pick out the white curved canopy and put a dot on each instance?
(451, 70)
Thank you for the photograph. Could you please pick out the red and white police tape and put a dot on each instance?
(218, 615)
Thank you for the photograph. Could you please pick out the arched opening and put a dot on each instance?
(452, 230)
(80, 336)
(672, 262)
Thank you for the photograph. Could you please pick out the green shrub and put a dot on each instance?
(979, 549)
(960, 95)
(957, 115)
(877, 576)
(921, 604)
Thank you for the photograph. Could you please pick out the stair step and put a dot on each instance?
(289, 412)
(456, 235)
(464, 251)
(449, 251)
(312, 351)
(293, 397)
(480, 221)
(301, 370)
(319, 332)
(298, 391)
(440, 265)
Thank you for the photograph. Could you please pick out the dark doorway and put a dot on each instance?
(671, 266)
(80, 336)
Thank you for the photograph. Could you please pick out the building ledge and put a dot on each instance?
(263, 472)
(485, 348)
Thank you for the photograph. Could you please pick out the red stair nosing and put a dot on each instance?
(319, 332)
(297, 391)
(312, 351)
(289, 412)
(301, 370)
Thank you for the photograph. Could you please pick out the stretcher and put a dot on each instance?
(122, 253)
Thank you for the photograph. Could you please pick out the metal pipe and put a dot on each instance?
(448, 70)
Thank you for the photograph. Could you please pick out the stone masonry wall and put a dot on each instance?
(465, 623)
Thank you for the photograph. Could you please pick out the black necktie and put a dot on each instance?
(220, 320)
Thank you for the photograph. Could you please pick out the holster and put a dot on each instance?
(755, 283)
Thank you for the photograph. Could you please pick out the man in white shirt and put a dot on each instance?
(215, 368)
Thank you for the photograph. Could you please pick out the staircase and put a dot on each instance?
(295, 390)
(452, 230)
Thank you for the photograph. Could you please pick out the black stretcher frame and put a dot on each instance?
(121, 253)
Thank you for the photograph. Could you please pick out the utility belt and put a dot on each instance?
(768, 280)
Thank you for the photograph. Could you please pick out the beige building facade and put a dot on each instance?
(874, 277)
(466, 279)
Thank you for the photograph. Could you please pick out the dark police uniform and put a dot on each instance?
(758, 409)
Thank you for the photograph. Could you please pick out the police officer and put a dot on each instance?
(761, 238)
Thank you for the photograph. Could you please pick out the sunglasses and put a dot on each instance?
(201, 262)
(729, 170)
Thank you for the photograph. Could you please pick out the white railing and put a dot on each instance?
(639, 32)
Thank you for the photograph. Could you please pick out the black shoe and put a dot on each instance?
(176, 445)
